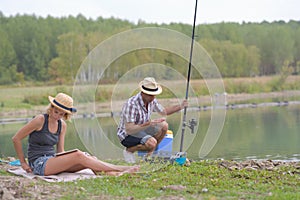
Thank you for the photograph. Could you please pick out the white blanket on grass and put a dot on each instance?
(62, 177)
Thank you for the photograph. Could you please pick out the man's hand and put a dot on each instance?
(153, 122)
(157, 121)
(184, 104)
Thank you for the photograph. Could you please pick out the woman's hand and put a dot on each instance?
(26, 167)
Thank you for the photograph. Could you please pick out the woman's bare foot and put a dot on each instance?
(128, 170)
(131, 170)
(135, 168)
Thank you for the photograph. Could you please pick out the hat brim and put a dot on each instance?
(157, 92)
(51, 99)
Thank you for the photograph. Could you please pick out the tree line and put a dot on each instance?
(50, 50)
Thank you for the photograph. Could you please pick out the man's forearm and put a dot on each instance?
(173, 109)
(132, 128)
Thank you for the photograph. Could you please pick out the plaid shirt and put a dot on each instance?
(134, 111)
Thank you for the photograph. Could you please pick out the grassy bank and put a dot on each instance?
(240, 90)
(201, 180)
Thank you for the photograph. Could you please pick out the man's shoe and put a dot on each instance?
(128, 156)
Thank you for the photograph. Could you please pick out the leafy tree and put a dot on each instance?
(8, 70)
(233, 60)
(277, 48)
(296, 63)
(7, 53)
(31, 45)
(71, 50)
(52, 49)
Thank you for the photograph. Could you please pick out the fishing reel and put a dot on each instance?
(191, 124)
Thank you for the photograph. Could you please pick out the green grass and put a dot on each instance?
(202, 180)
(27, 97)
(13, 97)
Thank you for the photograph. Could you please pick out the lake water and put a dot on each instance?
(247, 133)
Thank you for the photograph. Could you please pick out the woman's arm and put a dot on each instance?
(34, 124)
(61, 142)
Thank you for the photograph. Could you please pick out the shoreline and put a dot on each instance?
(15, 119)
(104, 109)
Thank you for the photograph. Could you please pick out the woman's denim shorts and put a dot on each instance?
(39, 165)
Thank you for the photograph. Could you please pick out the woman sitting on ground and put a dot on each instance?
(48, 130)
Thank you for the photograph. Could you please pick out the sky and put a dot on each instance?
(160, 11)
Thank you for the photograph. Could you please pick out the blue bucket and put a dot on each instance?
(165, 146)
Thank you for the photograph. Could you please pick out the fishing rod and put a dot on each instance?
(192, 123)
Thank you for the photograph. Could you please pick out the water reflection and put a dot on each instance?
(261, 133)
(250, 133)
(100, 142)
(270, 132)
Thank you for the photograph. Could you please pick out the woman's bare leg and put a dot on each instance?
(78, 160)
